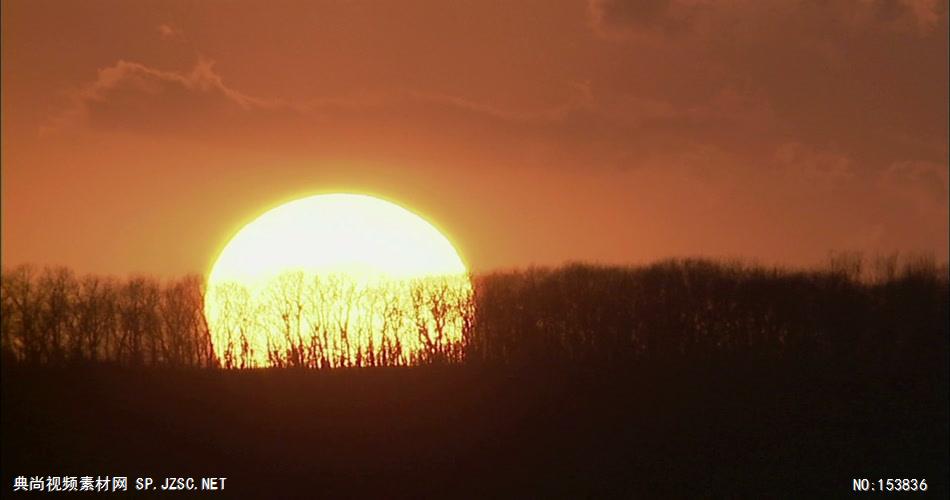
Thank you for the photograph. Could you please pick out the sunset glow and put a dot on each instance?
(337, 279)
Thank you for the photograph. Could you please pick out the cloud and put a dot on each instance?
(819, 168)
(927, 13)
(864, 77)
(920, 183)
(132, 97)
(921, 17)
(592, 128)
(589, 128)
(168, 32)
(613, 17)
(619, 19)
(137, 78)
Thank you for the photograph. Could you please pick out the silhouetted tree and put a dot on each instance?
(892, 311)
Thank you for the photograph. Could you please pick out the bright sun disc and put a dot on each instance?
(338, 280)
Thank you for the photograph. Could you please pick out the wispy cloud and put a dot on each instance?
(169, 32)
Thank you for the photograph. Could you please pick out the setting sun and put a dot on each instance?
(337, 280)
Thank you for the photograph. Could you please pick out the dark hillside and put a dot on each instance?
(682, 430)
(683, 378)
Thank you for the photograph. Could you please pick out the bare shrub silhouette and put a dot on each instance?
(329, 321)
(891, 309)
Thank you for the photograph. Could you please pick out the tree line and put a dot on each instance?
(53, 317)
(884, 310)
(888, 310)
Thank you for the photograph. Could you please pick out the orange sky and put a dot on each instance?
(137, 136)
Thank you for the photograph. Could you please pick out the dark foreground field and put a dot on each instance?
(653, 431)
